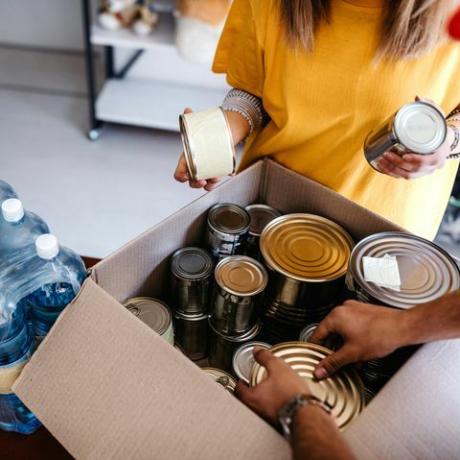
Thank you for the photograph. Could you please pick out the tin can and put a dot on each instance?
(221, 377)
(426, 271)
(155, 314)
(239, 282)
(222, 347)
(227, 229)
(308, 257)
(343, 392)
(261, 215)
(192, 334)
(191, 280)
(208, 144)
(243, 359)
(333, 342)
(418, 127)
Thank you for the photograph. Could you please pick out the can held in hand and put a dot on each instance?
(222, 347)
(418, 127)
(192, 334)
(155, 314)
(191, 280)
(227, 230)
(208, 144)
(333, 342)
(221, 377)
(236, 300)
(243, 359)
(261, 215)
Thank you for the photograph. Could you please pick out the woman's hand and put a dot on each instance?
(281, 385)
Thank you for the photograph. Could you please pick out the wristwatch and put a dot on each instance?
(288, 412)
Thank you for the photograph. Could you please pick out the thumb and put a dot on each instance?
(242, 391)
(334, 362)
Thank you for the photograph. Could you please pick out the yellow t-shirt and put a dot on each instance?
(323, 104)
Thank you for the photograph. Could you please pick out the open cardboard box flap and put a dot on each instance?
(106, 386)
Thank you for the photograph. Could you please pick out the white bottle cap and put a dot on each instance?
(12, 210)
(47, 246)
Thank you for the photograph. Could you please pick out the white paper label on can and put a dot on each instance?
(383, 271)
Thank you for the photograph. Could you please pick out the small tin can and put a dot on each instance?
(239, 281)
(261, 215)
(191, 280)
(418, 127)
(222, 347)
(343, 392)
(221, 377)
(208, 144)
(333, 342)
(192, 334)
(155, 314)
(227, 229)
(243, 359)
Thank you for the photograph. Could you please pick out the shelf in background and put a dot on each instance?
(152, 103)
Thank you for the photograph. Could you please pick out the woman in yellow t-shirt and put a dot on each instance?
(326, 73)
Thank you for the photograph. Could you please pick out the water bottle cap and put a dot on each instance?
(47, 246)
(12, 210)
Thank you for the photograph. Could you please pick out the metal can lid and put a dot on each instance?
(261, 215)
(229, 218)
(243, 359)
(221, 377)
(153, 312)
(426, 271)
(307, 332)
(246, 337)
(241, 275)
(420, 127)
(343, 391)
(306, 247)
(190, 317)
(191, 264)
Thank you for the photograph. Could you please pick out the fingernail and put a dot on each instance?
(320, 373)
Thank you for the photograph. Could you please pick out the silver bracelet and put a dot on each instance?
(248, 106)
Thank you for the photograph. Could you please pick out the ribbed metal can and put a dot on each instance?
(343, 392)
(192, 334)
(221, 377)
(243, 359)
(155, 314)
(191, 280)
(261, 215)
(227, 230)
(426, 271)
(418, 127)
(308, 257)
(222, 347)
(240, 281)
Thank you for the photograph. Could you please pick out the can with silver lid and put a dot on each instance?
(155, 314)
(239, 282)
(261, 215)
(191, 280)
(308, 257)
(333, 342)
(192, 334)
(418, 127)
(222, 347)
(221, 377)
(243, 359)
(227, 230)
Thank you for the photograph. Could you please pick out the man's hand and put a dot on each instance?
(368, 331)
(281, 385)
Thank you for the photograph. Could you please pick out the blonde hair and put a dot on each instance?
(409, 27)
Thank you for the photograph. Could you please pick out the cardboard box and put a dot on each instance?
(106, 386)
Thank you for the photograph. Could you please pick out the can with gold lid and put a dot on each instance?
(239, 282)
(155, 314)
(191, 333)
(261, 215)
(343, 392)
(308, 259)
(221, 377)
(400, 270)
(227, 229)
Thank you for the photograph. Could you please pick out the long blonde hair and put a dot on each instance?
(409, 27)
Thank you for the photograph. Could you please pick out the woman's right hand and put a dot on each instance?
(182, 175)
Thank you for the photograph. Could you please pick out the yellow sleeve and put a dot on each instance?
(239, 53)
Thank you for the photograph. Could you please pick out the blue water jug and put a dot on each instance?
(6, 191)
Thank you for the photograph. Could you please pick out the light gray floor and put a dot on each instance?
(94, 196)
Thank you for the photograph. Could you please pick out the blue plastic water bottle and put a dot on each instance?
(16, 347)
(67, 271)
(6, 191)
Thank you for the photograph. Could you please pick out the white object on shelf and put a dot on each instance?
(152, 103)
